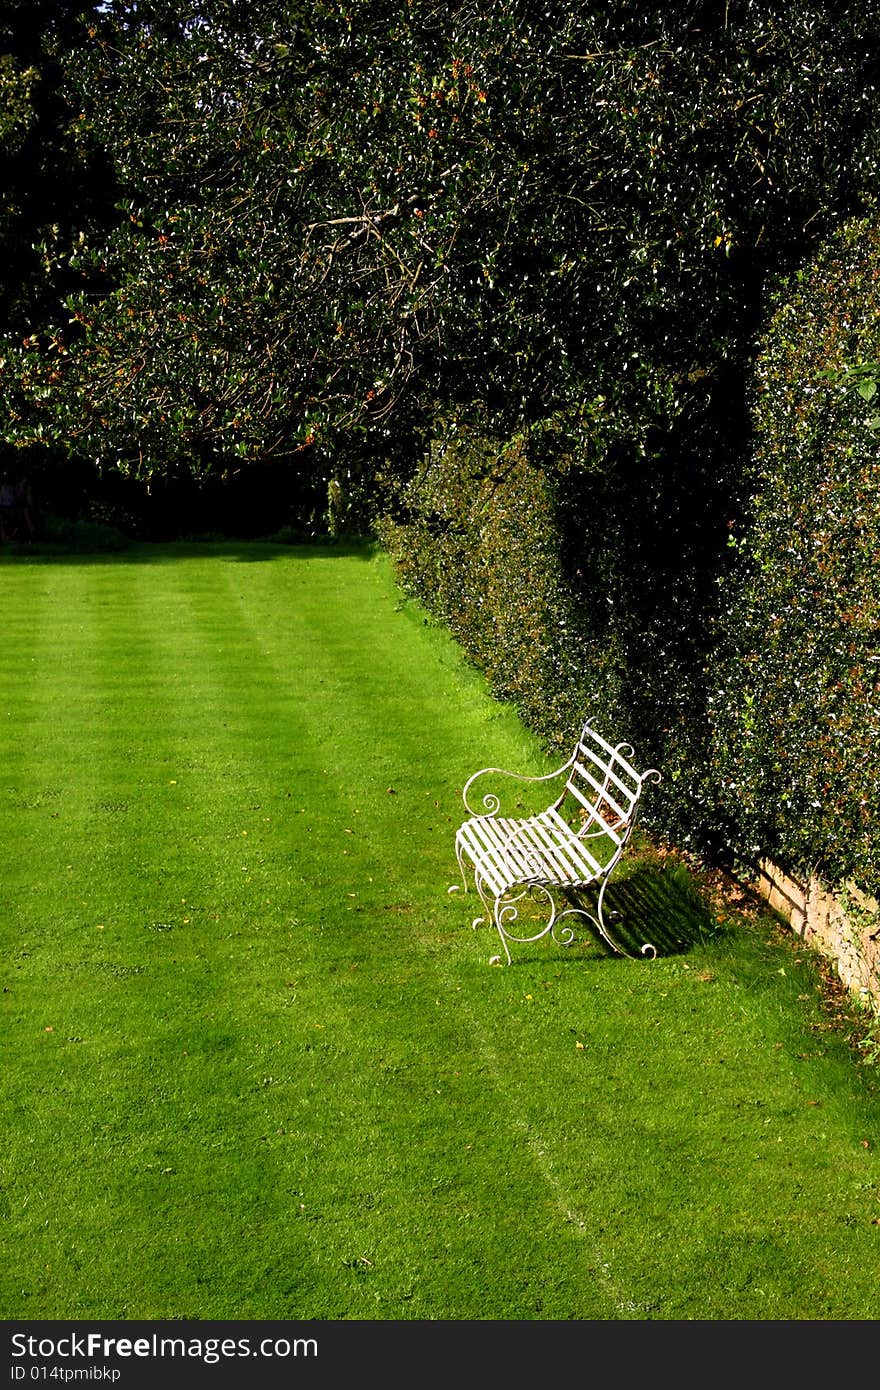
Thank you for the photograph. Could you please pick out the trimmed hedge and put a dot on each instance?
(476, 539)
(796, 715)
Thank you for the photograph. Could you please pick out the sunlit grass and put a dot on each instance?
(255, 1061)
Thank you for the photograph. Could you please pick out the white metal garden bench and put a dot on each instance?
(558, 854)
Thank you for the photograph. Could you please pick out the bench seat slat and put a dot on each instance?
(543, 848)
(499, 865)
(486, 842)
(589, 866)
(559, 862)
(481, 841)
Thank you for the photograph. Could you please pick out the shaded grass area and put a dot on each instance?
(255, 1062)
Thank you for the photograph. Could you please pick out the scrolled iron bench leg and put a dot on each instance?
(459, 854)
(484, 899)
(506, 912)
(478, 884)
(498, 917)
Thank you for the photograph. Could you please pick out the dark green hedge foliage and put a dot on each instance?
(477, 541)
(796, 711)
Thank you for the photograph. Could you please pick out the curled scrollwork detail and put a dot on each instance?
(491, 800)
(507, 912)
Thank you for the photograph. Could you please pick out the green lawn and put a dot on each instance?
(255, 1061)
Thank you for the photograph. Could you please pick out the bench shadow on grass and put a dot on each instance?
(657, 905)
(652, 904)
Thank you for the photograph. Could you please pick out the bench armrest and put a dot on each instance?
(491, 801)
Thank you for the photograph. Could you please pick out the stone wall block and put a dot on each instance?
(843, 924)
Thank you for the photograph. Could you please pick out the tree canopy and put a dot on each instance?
(333, 218)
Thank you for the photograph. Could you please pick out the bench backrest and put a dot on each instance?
(605, 785)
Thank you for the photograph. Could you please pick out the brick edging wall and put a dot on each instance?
(844, 925)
